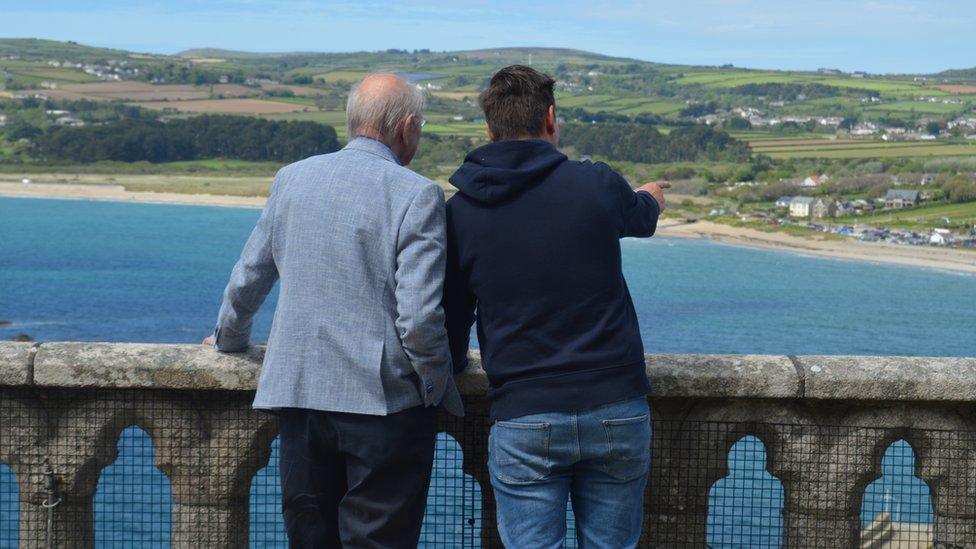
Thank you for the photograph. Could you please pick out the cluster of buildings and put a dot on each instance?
(63, 118)
(821, 207)
(942, 100)
(757, 118)
(962, 122)
(112, 70)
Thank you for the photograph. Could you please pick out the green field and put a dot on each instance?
(218, 167)
(734, 78)
(293, 100)
(917, 106)
(33, 72)
(620, 105)
(872, 149)
(926, 217)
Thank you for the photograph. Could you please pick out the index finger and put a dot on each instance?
(664, 184)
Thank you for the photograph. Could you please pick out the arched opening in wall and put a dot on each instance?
(133, 499)
(896, 510)
(452, 517)
(267, 527)
(745, 509)
(9, 508)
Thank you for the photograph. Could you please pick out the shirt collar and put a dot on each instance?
(373, 146)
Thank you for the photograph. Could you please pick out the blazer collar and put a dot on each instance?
(372, 146)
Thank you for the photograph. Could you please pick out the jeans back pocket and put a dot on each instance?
(519, 452)
(628, 447)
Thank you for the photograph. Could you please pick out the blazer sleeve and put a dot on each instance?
(419, 279)
(459, 300)
(250, 282)
(639, 211)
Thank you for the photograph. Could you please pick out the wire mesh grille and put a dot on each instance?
(156, 468)
(133, 499)
(9, 512)
(267, 528)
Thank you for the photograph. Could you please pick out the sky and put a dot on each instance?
(878, 36)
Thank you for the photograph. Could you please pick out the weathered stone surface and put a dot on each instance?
(825, 423)
(717, 376)
(216, 526)
(889, 378)
(805, 531)
(133, 365)
(723, 376)
(15, 363)
(119, 365)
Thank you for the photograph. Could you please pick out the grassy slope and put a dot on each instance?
(926, 217)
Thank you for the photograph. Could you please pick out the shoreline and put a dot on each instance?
(118, 193)
(930, 257)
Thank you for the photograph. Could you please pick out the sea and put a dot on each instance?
(74, 270)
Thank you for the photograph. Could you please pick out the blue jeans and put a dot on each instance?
(598, 457)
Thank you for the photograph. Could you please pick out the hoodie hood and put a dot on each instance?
(498, 171)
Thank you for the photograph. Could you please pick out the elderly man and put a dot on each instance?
(358, 357)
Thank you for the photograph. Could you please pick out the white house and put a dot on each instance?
(802, 206)
(940, 237)
(814, 181)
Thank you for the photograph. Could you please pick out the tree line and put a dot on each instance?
(201, 137)
(641, 143)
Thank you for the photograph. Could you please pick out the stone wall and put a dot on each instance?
(825, 422)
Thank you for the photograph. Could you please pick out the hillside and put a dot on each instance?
(37, 49)
(783, 114)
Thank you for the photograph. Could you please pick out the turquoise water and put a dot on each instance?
(76, 270)
(103, 271)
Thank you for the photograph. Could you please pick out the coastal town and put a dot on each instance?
(857, 217)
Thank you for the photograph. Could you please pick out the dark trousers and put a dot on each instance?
(352, 480)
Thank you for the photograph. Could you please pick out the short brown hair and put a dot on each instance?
(516, 102)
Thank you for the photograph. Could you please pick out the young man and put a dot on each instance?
(358, 356)
(533, 247)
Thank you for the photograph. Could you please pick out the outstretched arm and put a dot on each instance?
(640, 208)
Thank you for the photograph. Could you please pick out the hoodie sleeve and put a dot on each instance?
(639, 211)
(459, 301)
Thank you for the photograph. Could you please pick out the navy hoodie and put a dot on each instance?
(534, 255)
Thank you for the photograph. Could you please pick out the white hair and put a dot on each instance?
(381, 114)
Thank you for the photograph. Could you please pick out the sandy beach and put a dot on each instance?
(930, 257)
(914, 256)
(118, 193)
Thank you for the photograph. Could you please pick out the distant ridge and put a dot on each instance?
(204, 53)
(962, 75)
(36, 48)
(505, 52)
(40, 48)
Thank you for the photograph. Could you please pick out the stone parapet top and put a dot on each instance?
(167, 366)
